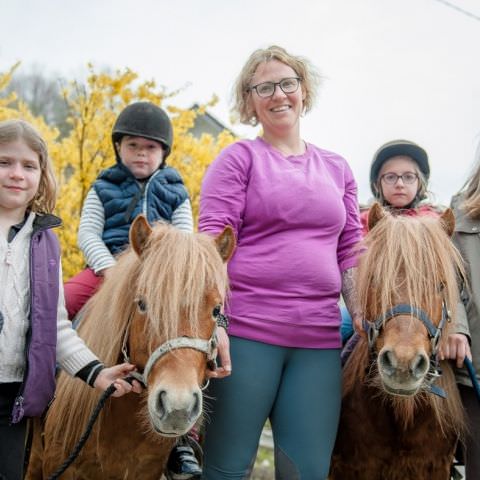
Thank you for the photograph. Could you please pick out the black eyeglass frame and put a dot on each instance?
(415, 175)
(255, 87)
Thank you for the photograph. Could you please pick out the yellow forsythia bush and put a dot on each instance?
(80, 156)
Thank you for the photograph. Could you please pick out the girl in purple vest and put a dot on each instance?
(35, 332)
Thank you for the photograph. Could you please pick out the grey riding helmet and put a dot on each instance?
(396, 148)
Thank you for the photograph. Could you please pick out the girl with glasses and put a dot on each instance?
(399, 179)
(294, 209)
(399, 176)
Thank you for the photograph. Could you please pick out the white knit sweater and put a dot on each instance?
(72, 353)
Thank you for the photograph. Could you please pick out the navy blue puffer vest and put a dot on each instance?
(123, 198)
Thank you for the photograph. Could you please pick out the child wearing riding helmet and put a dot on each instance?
(140, 182)
(399, 176)
(35, 333)
(399, 179)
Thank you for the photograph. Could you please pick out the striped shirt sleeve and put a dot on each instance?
(182, 217)
(90, 242)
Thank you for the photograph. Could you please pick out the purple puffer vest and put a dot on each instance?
(38, 386)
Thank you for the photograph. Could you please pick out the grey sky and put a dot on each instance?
(392, 69)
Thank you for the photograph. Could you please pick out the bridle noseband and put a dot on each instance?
(209, 347)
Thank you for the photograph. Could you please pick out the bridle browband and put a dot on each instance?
(434, 332)
(209, 347)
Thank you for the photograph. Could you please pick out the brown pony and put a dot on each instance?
(165, 291)
(393, 426)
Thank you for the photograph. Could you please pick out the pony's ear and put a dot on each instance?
(225, 243)
(140, 230)
(448, 221)
(375, 214)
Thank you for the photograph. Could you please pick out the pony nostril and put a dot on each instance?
(419, 365)
(161, 403)
(196, 405)
(387, 362)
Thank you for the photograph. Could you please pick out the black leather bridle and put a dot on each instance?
(434, 333)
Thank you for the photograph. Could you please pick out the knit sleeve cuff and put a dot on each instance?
(90, 372)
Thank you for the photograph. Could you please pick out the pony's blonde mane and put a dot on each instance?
(415, 260)
(411, 257)
(171, 276)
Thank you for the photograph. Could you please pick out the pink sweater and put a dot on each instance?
(296, 220)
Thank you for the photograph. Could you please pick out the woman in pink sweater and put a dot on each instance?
(294, 209)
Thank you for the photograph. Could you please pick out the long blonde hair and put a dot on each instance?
(15, 130)
(471, 190)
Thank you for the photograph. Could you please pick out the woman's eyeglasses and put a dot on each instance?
(392, 178)
(267, 89)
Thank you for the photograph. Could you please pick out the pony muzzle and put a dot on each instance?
(174, 411)
(405, 374)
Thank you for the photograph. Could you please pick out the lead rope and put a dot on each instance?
(473, 377)
(88, 430)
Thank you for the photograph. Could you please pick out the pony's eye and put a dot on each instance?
(216, 311)
(142, 305)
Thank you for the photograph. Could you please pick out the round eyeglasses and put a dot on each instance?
(392, 178)
(267, 89)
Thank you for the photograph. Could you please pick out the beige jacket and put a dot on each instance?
(467, 240)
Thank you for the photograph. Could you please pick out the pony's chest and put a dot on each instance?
(375, 443)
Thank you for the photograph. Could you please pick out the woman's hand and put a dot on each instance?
(359, 325)
(224, 354)
(456, 348)
(115, 375)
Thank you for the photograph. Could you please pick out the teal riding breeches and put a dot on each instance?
(298, 389)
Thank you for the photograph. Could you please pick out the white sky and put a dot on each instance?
(392, 69)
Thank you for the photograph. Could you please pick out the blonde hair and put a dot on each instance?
(14, 130)
(307, 73)
(471, 190)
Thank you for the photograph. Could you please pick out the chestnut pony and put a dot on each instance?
(395, 423)
(158, 306)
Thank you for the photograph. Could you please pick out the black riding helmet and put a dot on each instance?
(394, 149)
(144, 119)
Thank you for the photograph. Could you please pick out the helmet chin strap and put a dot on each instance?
(412, 204)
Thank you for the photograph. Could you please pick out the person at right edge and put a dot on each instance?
(466, 207)
(294, 210)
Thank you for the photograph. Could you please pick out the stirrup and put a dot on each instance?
(183, 463)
